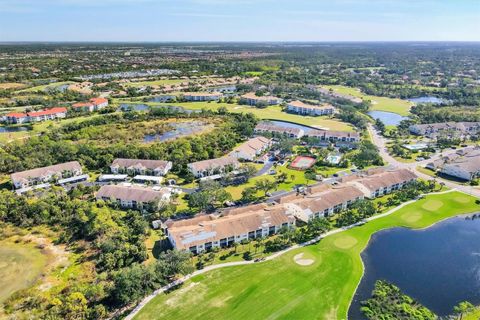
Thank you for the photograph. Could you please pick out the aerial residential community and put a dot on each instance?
(239, 160)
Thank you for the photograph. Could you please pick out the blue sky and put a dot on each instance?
(239, 20)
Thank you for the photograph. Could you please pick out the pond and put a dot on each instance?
(180, 129)
(438, 266)
(13, 129)
(134, 107)
(427, 99)
(388, 118)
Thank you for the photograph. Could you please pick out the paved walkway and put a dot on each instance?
(380, 142)
(177, 282)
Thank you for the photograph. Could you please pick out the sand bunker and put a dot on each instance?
(302, 262)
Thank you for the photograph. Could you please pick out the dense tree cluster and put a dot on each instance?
(388, 302)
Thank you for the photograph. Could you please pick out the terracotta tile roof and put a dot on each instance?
(214, 163)
(386, 179)
(50, 170)
(252, 146)
(131, 193)
(253, 96)
(329, 198)
(300, 104)
(263, 126)
(332, 133)
(207, 228)
(139, 163)
(97, 101)
(16, 115)
(47, 112)
(82, 104)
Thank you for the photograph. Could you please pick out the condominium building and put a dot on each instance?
(252, 148)
(135, 197)
(205, 232)
(201, 96)
(93, 104)
(253, 100)
(271, 128)
(310, 109)
(141, 167)
(210, 167)
(54, 173)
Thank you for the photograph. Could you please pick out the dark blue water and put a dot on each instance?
(134, 107)
(438, 266)
(388, 118)
(427, 99)
(13, 129)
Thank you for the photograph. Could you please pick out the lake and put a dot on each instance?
(438, 266)
(388, 118)
(427, 99)
(134, 107)
(13, 129)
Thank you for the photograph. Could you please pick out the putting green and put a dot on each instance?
(412, 217)
(345, 242)
(282, 289)
(432, 205)
(462, 199)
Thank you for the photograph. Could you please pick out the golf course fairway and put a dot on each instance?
(321, 286)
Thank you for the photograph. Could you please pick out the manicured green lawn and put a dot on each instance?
(399, 106)
(20, 267)
(282, 289)
(272, 112)
(45, 86)
(154, 83)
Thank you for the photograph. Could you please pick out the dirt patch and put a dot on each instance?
(432, 205)
(12, 85)
(57, 257)
(345, 242)
(300, 260)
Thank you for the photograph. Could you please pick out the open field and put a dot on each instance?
(45, 86)
(285, 289)
(272, 113)
(11, 85)
(399, 106)
(20, 267)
